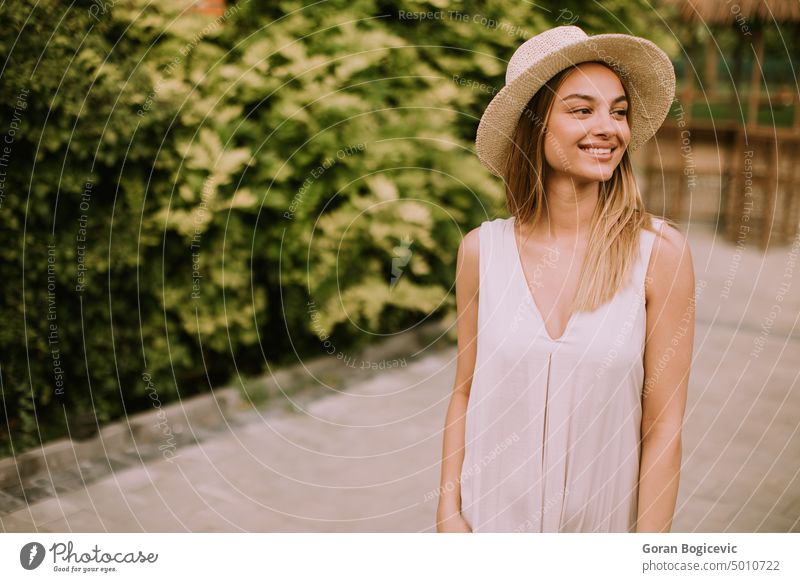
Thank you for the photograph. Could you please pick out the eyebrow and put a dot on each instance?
(592, 99)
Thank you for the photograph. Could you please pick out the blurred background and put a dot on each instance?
(229, 234)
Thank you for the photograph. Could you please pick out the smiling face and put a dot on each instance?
(587, 128)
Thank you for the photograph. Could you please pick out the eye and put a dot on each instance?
(582, 110)
(623, 112)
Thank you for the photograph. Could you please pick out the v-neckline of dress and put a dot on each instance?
(529, 292)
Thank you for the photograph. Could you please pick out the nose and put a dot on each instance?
(605, 124)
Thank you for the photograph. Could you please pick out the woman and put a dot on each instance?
(576, 314)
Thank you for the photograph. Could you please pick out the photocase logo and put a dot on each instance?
(567, 16)
(402, 255)
(31, 555)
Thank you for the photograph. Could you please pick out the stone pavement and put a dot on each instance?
(367, 460)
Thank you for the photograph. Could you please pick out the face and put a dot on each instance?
(587, 131)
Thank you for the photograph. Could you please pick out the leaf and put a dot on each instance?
(243, 198)
(383, 187)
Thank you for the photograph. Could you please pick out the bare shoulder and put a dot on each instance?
(467, 297)
(671, 269)
(469, 252)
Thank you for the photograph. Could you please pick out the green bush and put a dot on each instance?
(280, 184)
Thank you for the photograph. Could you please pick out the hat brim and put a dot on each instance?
(644, 69)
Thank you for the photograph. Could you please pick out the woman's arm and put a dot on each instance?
(668, 356)
(448, 513)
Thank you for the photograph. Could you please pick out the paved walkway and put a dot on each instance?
(368, 460)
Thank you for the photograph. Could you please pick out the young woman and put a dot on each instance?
(576, 314)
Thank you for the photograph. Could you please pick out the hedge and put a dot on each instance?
(187, 201)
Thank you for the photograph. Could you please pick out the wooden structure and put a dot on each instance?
(733, 172)
(750, 18)
(708, 174)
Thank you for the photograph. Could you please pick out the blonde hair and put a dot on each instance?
(618, 216)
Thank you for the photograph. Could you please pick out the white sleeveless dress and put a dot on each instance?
(553, 425)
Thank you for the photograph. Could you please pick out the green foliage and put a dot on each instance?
(287, 168)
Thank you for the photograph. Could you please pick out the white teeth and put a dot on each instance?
(599, 151)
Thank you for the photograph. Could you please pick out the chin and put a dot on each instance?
(594, 175)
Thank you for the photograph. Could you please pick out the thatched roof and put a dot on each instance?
(720, 12)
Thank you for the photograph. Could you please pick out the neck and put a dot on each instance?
(570, 205)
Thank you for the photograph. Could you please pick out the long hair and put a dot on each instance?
(616, 221)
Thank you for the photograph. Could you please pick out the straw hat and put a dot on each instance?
(644, 69)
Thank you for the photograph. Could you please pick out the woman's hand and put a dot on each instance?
(448, 511)
(451, 521)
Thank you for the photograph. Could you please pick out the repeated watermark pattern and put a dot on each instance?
(85, 238)
(169, 447)
(402, 255)
(526, 307)
(474, 85)
(533, 522)
(200, 219)
(744, 229)
(685, 324)
(741, 21)
(624, 331)
(566, 17)
(455, 15)
(536, 119)
(177, 60)
(548, 260)
(101, 8)
(317, 173)
(777, 305)
(20, 105)
(81, 237)
(689, 169)
(53, 340)
(349, 361)
(212, 26)
(475, 468)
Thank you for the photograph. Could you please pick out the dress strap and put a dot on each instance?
(486, 237)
